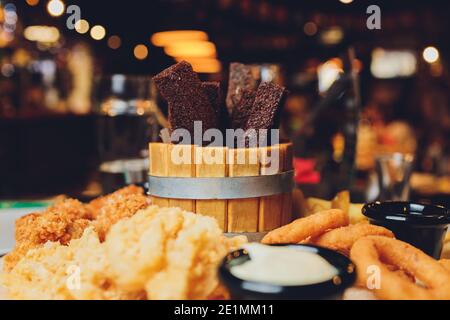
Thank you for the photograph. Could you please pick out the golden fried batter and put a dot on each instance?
(67, 219)
(159, 253)
(56, 272)
(116, 207)
(343, 239)
(96, 205)
(64, 221)
(308, 227)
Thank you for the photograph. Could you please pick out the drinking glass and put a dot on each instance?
(394, 174)
(128, 118)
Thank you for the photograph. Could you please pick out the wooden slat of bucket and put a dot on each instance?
(206, 169)
(158, 167)
(270, 208)
(243, 213)
(286, 216)
(181, 170)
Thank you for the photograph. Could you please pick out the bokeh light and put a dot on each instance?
(82, 26)
(55, 8)
(32, 2)
(141, 52)
(98, 32)
(164, 38)
(114, 42)
(431, 54)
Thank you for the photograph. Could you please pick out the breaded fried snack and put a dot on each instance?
(343, 239)
(182, 89)
(306, 228)
(431, 280)
(62, 222)
(96, 204)
(159, 253)
(116, 208)
(182, 252)
(55, 272)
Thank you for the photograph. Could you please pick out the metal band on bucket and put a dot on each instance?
(221, 188)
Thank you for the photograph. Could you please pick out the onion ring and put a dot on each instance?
(344, 238)
(445, 263)
(304, 228)
(376, 251)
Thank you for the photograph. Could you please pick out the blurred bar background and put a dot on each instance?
(72, 101)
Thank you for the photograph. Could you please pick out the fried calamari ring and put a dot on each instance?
(344, 238)
(304, 228)
(445, 263)
(375, 252)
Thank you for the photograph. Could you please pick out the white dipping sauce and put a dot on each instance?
(283, 266)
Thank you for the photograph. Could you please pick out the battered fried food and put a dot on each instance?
(64, 221)
(309, 227)
(67, 219)
(343, 239)
(182, 252)
(159, 253)
(56, 272)
(95, 205)
(382, 252)
(118, 206)
(445, 263)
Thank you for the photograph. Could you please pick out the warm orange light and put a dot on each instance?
(194, 49)
(165, 38)
(203, 65)
(82, 26)
(98, 32)
(140, 52)
(32, 2)
(114, 42)
(43, 34)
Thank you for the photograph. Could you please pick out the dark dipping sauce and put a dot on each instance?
(423, 226)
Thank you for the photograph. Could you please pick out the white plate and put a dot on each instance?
(3, 293)
(8, 219)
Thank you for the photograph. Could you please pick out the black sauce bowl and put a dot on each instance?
(423, 226)
(250, 290)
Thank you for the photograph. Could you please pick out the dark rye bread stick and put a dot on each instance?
(182, 89)
(266, 108)
(243, 109)
(241, 78)
(214, 93)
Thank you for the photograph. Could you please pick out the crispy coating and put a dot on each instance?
(118, 207)
(159, 253)
(375, 253)
(309, 227)
(78, 271)
(182, 252)
(96, 204)
(445, 263)
(67, 219)
(64, 221)
(343, 239)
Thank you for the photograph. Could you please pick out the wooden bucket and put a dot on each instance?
(222, 189)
